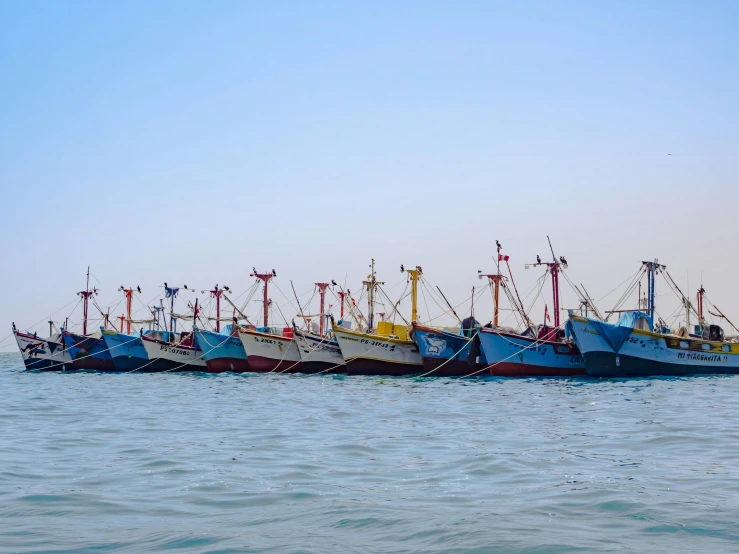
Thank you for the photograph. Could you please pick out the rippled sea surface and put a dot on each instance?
(269, 463)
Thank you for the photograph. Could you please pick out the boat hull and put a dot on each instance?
(43, 354)
(612, 351)
(169, 357)
(88, 352)
(319, 354)
(511, 355)
(126, 351)
(377, 355)
(270, 353)
(445, 354)
(221, 352)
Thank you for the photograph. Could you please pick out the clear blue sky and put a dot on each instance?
(189, 141)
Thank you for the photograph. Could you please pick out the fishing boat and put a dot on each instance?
(635, 347)
(127, 351)
(540, 351)
(87, 350)
(43, 353)
(319, 351)
(445, 353)
(221, 351)
(453, 352)
(270, 349)
(386, 350)
(168, 349)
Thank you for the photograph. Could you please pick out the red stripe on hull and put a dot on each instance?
(507, 369)
(219, 365)
(265, 365)
(453, 368)
(363, 366)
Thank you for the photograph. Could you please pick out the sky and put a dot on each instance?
(189, 142)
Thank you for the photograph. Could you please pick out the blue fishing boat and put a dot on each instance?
(541, 350)
(88, 351)
(126, 351)
(445, 353)
(222, 351)
(635, 347)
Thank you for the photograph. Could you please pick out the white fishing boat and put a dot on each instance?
(172, 351)
(319, 351)
(270, 349)
(43, 353)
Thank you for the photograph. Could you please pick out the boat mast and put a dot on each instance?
(554, 268)
(128, 293)
(85, 294)
(216, 293)
(172, 320)
(266, 277)
(342, 294)
(652, 268)
(415, 275)
(371, 284)
(701, 292)
(495, 280)
(322, 291)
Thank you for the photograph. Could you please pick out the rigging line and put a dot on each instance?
(581, 295)
(538, 294)
(624, 297)
(391, 302)
(286, 298)
(423, 295)
(432, 293)
(76, 299)
(721, 314)
(463, 303)
(396, 305)
(638, 271)
(685, 300)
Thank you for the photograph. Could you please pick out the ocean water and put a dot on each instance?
(132, 462)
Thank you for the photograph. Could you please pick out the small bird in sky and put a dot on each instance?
(139, 289)
(538, 259)
(333, 282)
(669, 154)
